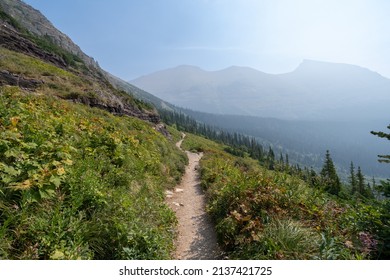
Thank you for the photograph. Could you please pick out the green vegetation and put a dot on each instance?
(330, 179)
(31, 67)
(234, 143)
(80, 183)
(46, 44)
(196, 143)
(63, 83)
(381, 134)
(384, 190)
(265, 214)
(4, 16)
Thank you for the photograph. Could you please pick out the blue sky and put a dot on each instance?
(130, 38)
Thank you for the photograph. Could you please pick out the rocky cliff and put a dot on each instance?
(36, 23)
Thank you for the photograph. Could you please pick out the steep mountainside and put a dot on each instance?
(76, 182)
(314, 91)
(138, 93)
(26, 31)
(32, 20)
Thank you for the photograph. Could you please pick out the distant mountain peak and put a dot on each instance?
(188, 66)
(236, 67)
(310, 65)
(315, 90)
(232, 68)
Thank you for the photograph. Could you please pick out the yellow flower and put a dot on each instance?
(61, 171)
(67, 162)
(22, 186)
(15, 121)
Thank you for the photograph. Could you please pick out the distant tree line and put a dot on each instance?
(241, 145)
(237, 144)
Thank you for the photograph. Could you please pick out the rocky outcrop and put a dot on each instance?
(119, 109)
(19, 21)
(161, 127)
(11, 39)
(33, 20)
(7, 78)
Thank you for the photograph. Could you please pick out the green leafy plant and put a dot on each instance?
(80, 183)
(264, 214)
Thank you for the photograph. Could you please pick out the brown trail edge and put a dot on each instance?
(196, 237)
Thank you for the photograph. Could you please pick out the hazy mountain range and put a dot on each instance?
(313, 91)
(316, 107)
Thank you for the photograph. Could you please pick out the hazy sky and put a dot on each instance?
(130, 38)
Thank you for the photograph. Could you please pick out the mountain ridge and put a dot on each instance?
(307, 62)
(314, 90)
(317, 114)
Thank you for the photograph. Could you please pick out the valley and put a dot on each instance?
(317, 107)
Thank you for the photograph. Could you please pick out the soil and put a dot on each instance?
(196, 238)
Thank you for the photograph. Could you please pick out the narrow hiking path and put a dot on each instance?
(196, 235)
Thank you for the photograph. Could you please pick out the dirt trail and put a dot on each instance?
(196, 236)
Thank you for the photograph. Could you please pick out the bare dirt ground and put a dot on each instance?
(196, 235)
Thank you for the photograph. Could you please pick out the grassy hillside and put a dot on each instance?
(263, 214)
(80, 183)
(77, 182)
(66, 84)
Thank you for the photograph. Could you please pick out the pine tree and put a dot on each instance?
(383, 158)
(271, 159)
(384, 188)
(364, 188)
(281, 159)
(313, 178)
(329, 176)
(360, 181)
(352, 178)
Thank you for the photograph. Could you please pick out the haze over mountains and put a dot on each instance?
(313, 91)
(316, 107)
